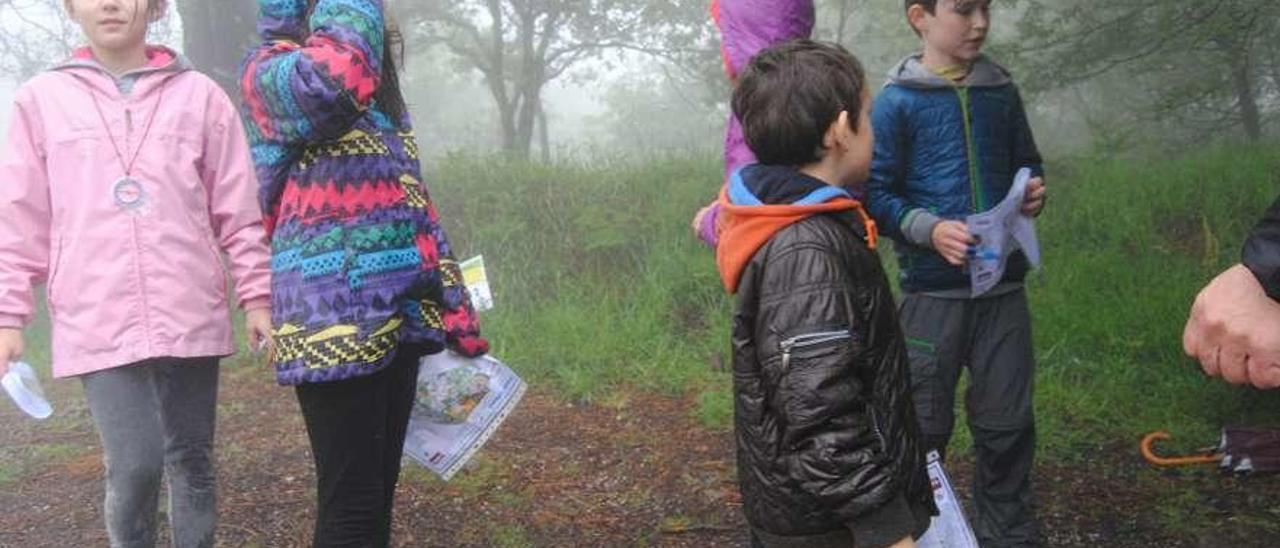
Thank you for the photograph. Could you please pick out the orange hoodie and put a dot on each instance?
(745, 229)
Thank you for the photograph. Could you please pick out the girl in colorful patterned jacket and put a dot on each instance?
(364, 282)
(747, 27)
(125, 179)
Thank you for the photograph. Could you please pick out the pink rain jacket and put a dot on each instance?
(133, 271)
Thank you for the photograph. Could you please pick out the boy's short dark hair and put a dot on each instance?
(790, 94)
(929, 5)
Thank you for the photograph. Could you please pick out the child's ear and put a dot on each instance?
(916, 16)
(837, 137)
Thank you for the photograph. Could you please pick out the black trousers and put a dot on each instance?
(992, 338)
(357, 430)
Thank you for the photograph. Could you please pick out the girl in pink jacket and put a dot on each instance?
(126, 178)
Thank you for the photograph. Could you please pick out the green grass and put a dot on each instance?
(599, 285)
(18, 462)
(9, 472)
(602, 290)
(1127, 246)
(510, 536)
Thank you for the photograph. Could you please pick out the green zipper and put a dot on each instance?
(978, 201)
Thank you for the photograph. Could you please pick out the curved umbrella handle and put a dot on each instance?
(1148, 452)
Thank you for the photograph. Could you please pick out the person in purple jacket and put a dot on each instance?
(746, 28)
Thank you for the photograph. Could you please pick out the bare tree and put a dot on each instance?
(216, 35)
(520, 46)
(36, 33)
(1201, 65)
(33, 35)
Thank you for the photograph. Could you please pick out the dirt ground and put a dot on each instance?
(635, 471)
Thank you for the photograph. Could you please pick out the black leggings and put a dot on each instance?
(357, 429)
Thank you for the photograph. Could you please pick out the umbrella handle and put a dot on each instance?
(1148, 452)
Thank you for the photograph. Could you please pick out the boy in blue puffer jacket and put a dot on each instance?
(951, 132)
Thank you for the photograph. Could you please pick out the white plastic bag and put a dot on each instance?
(949, 529)
(24, 387)
(459, 404)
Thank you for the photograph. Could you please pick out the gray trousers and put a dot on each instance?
(992, 338)
(156, 419)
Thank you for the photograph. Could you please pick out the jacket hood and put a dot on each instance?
(760, 201)
(160, 60)
(912, 73)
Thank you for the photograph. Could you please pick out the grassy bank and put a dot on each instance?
(601, 289)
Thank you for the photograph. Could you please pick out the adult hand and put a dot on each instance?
(1033, 203)
(11, 348)
(952, 240)
(258, 323)
(1234, 330)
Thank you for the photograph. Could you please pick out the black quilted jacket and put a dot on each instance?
(826, 431)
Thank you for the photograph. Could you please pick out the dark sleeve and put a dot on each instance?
(830, 444)
(886, 199)
(886, 525)
(1262, 251)
(1025, 152)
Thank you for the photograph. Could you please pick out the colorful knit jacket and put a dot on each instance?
(360, 263)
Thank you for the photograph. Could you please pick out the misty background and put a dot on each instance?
(630, 78)
(571, 141)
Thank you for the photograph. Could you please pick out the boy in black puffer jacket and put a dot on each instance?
(826, 432)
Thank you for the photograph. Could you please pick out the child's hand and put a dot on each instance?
(697, 219)
(906, 542)
(11, 348)
(951, 239)
(258, 323)
(706, 224)
(1034, 202)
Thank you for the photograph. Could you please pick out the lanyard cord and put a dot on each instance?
(128, 167)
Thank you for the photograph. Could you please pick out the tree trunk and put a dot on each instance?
(844, 21)
(544, 135)
(216, 36)
(1246, 95)
(507, 117)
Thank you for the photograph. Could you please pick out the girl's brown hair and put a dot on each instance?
(388, 97)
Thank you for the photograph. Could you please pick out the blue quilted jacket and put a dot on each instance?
(944, 151)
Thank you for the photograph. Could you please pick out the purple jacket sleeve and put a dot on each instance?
(315, 89)
(746, 28)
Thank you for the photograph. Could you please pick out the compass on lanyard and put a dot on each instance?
(128, 193)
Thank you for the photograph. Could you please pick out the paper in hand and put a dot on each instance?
(998, 233)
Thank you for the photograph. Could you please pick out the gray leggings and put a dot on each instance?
(156, 419)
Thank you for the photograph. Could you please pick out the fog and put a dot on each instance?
(1096, 78)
